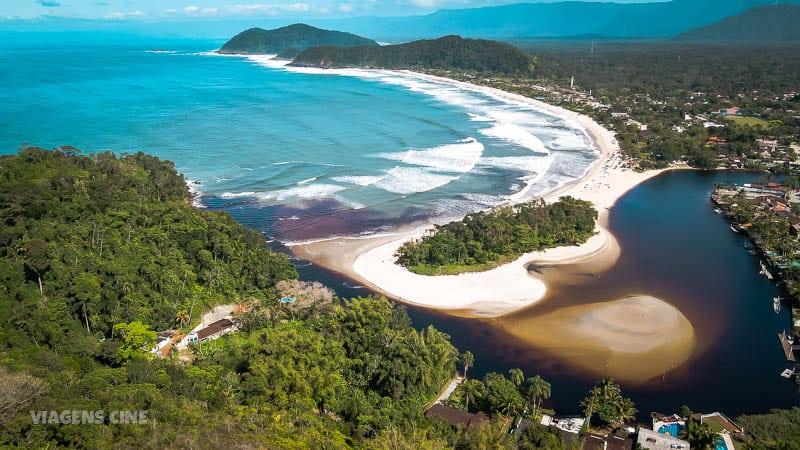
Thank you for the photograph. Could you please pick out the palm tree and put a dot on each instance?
(699, 435)
(538, 390)
(467, 360)
(516, 376)
(589, 403)
(182, 318)
(470, 390)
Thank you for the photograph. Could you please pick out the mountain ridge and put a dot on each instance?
(774, 23)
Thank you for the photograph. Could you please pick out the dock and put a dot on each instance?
(787, 347)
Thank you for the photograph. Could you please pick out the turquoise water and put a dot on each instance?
(672, 429)
(297, 154)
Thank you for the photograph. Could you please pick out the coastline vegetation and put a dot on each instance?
(484, 240)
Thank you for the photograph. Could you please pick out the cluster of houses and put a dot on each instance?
(766, 154)
(664, 432)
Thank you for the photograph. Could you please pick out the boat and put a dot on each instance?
(752, 252)
(764, 271)
(734, 229)
(776, 304)
(717, 210)
(788, 373)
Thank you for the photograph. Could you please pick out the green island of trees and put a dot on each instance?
(485, 240)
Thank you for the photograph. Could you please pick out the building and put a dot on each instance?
(651, 440)
(457, 418)
(611, 442)
(213, 331)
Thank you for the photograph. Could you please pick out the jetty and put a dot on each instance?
(787, 347)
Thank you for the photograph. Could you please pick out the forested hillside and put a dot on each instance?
(482, 240)
(772, 23)
(448, 52)
(288, 41)
(98, 251)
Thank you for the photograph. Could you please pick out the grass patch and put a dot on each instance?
(456, 269)
(715, 426)
(749, 121)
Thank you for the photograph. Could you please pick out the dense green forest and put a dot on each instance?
(778, 429)
(288, 41)
(448, 52)
(484, 239)
(98, 251)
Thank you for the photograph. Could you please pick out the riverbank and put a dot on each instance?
(371, 261)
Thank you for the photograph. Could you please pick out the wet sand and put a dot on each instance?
(635, 338)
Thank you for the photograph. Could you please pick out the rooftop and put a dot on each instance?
(651, 440)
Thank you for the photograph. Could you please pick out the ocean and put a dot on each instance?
(299, 154)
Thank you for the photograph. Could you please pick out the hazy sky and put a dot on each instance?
(228, 9)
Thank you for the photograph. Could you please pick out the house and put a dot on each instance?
(651, 440)
(611, 442)
(457, 418)
(213, 331)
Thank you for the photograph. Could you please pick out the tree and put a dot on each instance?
(37, 258)
(138, 338)
(538, 390)
(467, 360)
(516, 376)
(699, 435)
(606, 400)
(17, 390)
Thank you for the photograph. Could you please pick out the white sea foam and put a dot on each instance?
(237, 194)
(410, 180)
(517, 135)
(305, 192)
(360, 180)
(460, 157)
(528, 164)
(270, 61)
(306, 181)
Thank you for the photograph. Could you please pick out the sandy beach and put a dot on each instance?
(370, 261)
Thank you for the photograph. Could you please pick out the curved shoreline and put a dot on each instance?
(505, 289)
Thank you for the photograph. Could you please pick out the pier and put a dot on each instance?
(787, 347)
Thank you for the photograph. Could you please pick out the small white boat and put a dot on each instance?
(788, 373)
(734, 229)
(717, 210)
(776, 304)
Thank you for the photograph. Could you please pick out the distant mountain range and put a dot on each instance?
(448, 52)
(555, 20)
(289, 41)
(765, 23)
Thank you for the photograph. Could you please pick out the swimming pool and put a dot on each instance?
(672, 429)
(720, 444)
